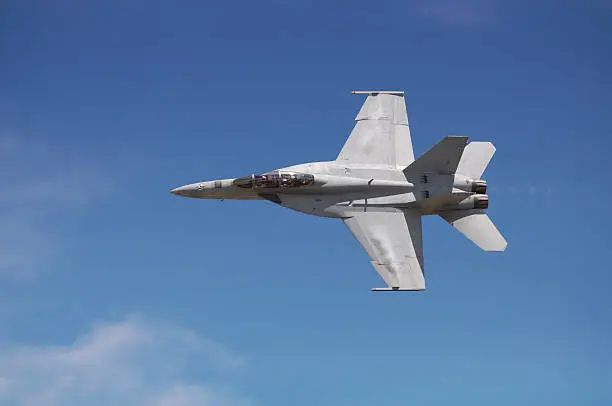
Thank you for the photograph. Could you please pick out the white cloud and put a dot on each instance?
(37, 182)
(134, 362)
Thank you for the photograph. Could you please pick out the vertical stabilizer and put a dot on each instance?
(442, 158)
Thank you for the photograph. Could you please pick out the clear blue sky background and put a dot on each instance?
(106, 106)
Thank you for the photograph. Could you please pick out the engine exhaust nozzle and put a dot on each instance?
(479, 186)
(481, 202)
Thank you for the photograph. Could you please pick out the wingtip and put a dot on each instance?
(376, 92)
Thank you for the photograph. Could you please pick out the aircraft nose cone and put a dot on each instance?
(186, 190)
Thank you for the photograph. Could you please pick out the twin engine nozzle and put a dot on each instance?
(470, 185)
(472, 202)
(481, 202)
(479, 186)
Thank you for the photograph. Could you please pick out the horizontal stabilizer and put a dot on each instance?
(442, 158)
(477, 227)
(475, 159)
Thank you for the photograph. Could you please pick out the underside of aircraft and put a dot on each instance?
(380, 191)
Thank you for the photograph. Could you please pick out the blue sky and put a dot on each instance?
(113, 291)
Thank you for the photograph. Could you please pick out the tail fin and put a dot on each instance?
(477, 227)
(476, 157)
(454, 155)
(444, 157)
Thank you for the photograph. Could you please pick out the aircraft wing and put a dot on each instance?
(381, 134)
(394, 242)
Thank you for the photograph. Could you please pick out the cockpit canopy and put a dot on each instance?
(275, 179)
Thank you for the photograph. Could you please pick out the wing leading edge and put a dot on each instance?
(381, 134)
(394, 242)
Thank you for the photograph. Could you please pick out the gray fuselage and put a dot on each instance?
(335, 189)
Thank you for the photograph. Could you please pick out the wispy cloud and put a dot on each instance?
(132, 362)
(459, 13)
(38, 181)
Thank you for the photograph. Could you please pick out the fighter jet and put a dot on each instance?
(378, 189)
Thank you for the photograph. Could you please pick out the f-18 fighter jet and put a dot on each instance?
(380, 191)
